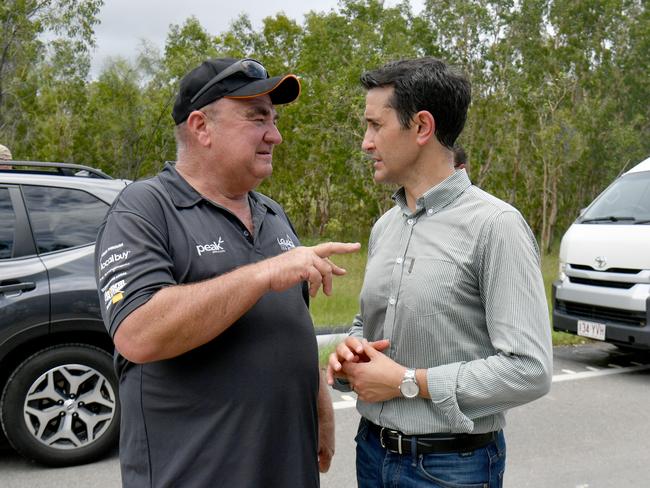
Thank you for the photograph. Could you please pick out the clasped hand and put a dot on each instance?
(371, 374)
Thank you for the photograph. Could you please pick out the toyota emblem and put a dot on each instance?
(601, 262)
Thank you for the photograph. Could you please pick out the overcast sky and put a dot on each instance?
(124, 23)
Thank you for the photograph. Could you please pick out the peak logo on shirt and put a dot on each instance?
(286, 244)
(213, 247)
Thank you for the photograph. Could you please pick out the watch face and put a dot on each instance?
(409, 389)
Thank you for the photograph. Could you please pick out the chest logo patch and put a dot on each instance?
(213, 247)
(286, 244)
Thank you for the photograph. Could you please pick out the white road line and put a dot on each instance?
(614, 365)
(591, 368)
(344, 404)
(635, 363)
(602, 372)
(568, 371)
(349, 401)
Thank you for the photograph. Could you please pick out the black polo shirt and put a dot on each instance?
(239, 411)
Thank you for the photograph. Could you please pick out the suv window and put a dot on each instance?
(7, 224)
(63, 217)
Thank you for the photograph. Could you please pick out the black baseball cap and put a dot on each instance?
(231, 78)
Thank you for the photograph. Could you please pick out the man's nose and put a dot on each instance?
(273, 135)
(367, 145)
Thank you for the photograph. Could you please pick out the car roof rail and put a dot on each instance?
(60, 169)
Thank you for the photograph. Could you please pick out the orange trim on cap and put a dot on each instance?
(245, 97)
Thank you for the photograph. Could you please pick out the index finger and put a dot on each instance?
(326, 249)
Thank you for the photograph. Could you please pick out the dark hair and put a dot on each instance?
(425, 84)
(460, 156)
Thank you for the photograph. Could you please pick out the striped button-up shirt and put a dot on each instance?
(456, 287)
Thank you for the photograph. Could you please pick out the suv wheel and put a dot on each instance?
(60, 406)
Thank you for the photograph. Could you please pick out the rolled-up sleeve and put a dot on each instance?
(517, 320)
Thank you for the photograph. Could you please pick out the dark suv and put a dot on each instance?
(59, 394)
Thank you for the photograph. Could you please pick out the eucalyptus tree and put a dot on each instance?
(31, 33)
(322, 176)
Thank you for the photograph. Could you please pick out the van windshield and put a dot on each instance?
(626, 201)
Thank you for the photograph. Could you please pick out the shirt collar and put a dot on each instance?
(184, 195)
(437, 197)
(181, 192)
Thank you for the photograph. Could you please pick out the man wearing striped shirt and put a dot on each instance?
(453, 328)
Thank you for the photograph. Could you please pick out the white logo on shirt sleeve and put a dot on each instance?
(114, 264)
(114, 258)
(115, 293)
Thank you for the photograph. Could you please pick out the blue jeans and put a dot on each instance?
(379, 468)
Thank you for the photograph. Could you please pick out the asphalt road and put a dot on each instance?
(591, 431)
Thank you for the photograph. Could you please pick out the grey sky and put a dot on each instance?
(124, 23)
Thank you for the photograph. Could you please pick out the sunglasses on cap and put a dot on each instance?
(250, 67)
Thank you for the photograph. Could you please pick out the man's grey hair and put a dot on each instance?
(181, 133)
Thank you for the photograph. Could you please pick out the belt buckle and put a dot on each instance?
(399, 439)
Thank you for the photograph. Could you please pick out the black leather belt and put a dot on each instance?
(395, 441)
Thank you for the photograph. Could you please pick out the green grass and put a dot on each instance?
(341, 307)
(550, 268)
(324, 353)
(343, 304)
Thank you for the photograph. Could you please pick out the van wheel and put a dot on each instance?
(60, 407)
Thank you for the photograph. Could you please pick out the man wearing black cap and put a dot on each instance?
(204, 289)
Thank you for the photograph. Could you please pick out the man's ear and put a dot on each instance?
(197, 124)
(426, 126)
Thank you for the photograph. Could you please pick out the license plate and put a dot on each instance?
(593, 330)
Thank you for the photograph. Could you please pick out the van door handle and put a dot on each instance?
(25, 286)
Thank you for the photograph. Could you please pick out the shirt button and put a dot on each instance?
(246, 233)
(391, 300)
(399, 260)
(410, 221)
(430, 211)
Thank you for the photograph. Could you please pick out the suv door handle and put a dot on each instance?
(25, 286)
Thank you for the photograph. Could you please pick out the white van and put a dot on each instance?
(603, 288)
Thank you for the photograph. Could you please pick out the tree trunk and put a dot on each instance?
(545, 219)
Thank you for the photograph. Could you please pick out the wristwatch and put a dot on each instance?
(409, 386)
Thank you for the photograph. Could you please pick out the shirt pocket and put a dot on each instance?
(428, 289)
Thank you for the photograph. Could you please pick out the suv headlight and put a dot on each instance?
(562, 271)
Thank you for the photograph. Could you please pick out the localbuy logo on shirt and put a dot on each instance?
(213, 247)
(114, 258)
(286, 244)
